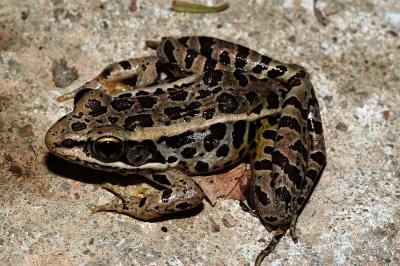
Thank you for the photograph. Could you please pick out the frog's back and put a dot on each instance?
(199, 124)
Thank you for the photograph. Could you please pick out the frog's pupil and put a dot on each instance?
(108, 148)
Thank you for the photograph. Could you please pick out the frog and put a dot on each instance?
(201, 105)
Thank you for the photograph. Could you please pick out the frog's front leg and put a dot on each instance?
(180, 193)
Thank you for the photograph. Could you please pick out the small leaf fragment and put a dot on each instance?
(183, 6)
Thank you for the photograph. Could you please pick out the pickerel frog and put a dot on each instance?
(200, 106)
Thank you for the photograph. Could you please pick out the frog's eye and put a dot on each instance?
(108, 148)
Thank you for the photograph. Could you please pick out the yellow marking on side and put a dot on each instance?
(262, 142)
(197, 123)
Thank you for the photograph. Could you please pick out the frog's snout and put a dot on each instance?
(52, 137)
(58, 139)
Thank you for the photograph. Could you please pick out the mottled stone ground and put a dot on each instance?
(353, 216)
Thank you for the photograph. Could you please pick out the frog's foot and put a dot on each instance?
(124, 194)
(271, 246)
(126, 197)
(110, 207)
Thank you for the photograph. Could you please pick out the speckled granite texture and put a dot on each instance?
(353, 216)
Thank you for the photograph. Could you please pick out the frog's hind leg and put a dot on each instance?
(180, 193)
(299, 135)
(198, 54)
(279, 176)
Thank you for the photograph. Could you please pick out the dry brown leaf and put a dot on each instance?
(228, 185)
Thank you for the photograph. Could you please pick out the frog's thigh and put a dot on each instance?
(263, 195)
(180, 193)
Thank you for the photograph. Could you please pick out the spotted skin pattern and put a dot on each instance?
(217, 104)
(284, 176)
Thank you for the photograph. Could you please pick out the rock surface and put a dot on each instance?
(353, 216)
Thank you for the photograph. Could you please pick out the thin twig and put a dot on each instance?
(183, 6)
(319, 16)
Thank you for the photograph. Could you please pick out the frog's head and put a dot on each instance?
(94, 134)
(88, 135)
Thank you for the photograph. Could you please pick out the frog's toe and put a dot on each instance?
(126, 194)
(292, 229)
(67, 96)
(110, 207)
(293, 235)
(116, 190)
